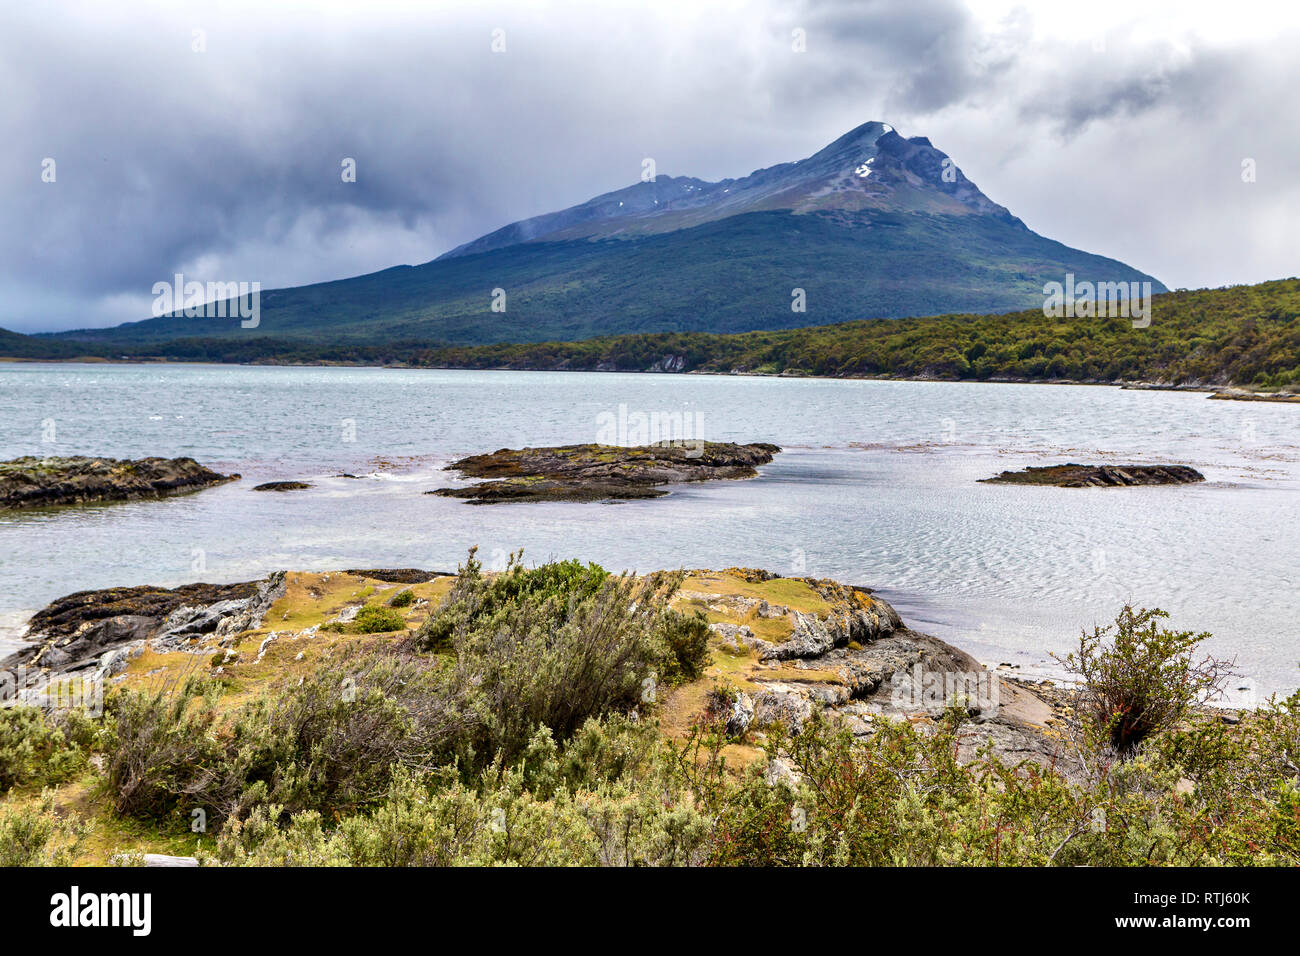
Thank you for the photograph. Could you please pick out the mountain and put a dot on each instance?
(869, 168)
(873, 225)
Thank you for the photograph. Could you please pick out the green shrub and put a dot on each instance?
(417, 826)
(474, 596)
(38, 836)
(374, 618)
(159, 746)
(628, 811)
(327, 743)
(34, 750)
(556, 645)
(1143, 682)
(686, 645)
(402, 598)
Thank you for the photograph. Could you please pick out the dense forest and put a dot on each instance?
(1243, 335)
(1246, 335)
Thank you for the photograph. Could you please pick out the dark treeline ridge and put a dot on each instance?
(1243, 335)
(1246, 335)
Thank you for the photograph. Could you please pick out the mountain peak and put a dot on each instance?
(865, 135)
(871, 167)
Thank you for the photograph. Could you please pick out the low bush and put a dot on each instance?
(38, 835)
(375, 618)
(35, 750)
(555, 645)
(628, 811)
(1143, 681)
(329, 742)
(159, 746)
(476, 597)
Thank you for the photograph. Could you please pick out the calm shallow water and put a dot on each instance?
(876, 486)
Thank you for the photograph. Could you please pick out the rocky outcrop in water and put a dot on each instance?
(600, 472)
(33, 482)
(1099, 476)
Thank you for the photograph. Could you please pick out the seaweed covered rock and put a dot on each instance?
(1099, 476)
(33, 482)
(601, 472)
(282, 486)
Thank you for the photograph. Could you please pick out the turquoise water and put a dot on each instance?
(876, 486)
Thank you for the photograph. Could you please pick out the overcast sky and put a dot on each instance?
(1116, 127)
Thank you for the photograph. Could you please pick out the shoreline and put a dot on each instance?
(1220, 392)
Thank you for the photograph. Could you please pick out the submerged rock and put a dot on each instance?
(33, 482)
(602, 472)
(1099, 476)
(282, 486)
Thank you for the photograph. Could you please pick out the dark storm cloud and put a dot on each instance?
(925, 54)
(225, 164)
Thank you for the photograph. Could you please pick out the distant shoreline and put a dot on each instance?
(1223, 392)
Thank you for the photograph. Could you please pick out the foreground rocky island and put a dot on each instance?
(602, 472)
(33, 482)
(789, 646)
(560, 714)
(1099, 476)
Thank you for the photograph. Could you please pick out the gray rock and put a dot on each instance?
(813, 637)
(113, 662)
(731, 631)
(734, 636)
(779, 771)
(781, 707)
(742, 715)
(186, 622)
(222, 618)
